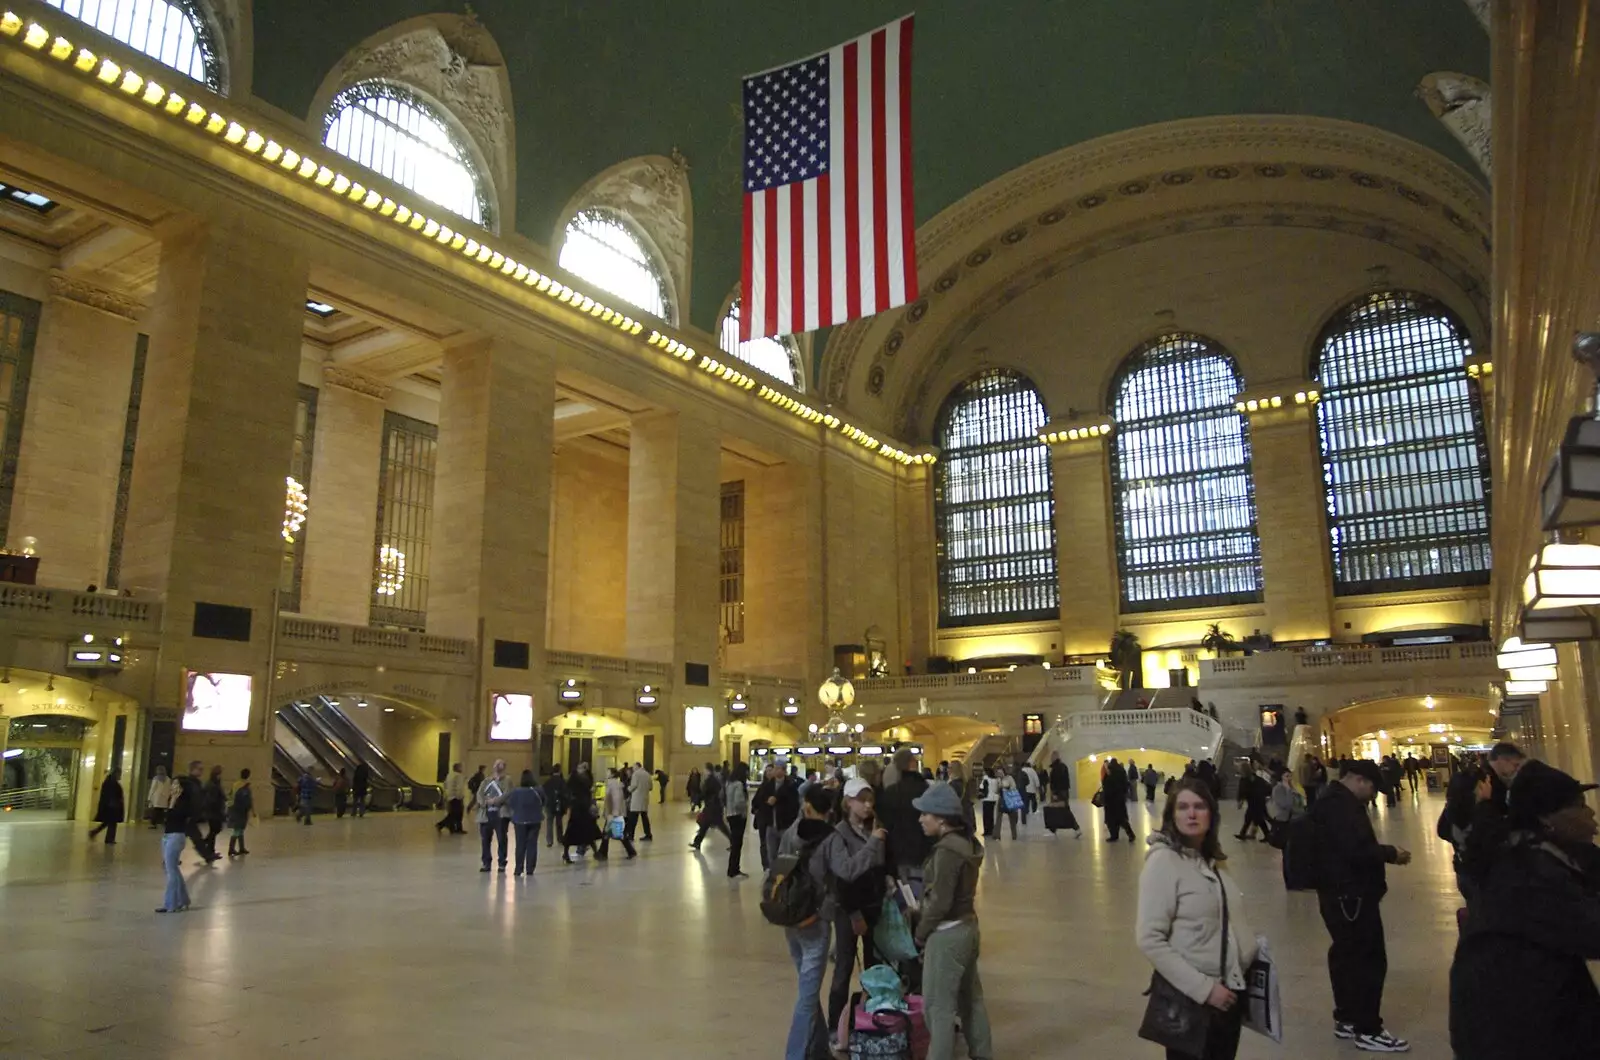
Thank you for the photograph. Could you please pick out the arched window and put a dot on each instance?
(1403, 452)
(601, 247)
(1180, 469)
(173, 32)
(779, 357)
(391, 130)
(993, 505)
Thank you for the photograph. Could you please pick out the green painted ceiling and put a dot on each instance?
(997, 83)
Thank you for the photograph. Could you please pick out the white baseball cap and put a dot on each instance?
(854, 787)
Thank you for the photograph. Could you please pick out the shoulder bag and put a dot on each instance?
(1174, 1019)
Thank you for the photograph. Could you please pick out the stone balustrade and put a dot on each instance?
(336, 642)
(1351, 661)
(32, 608)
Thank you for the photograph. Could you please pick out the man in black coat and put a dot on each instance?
(785, 802)
(111, 809)
(1350, 885)
(761, 805)
(908, 844)
(360, 782)
(1114, 801)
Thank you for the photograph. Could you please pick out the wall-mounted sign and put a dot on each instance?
(511, 716)
(216, 702)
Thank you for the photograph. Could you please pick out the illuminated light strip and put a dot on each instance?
(1309, 396)
(132, 84)
(1076, 434)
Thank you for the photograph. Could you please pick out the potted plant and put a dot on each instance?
(1126, 659)
(1217, 642)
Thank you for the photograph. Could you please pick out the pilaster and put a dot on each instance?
(1086, 550)
(341, 521)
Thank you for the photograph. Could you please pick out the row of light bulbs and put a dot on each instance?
(1301, 397)
(36, 37)
(1073, 434)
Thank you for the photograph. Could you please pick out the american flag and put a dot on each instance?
(829, 232)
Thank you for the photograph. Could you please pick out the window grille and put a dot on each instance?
(778, 357)
(19, 326)
(993, 506)
(294, 552)
(405, 522)
(173, 32)
(391, 130)
(731, 596)
(1405, 462)
(601, 247)
(1180, 467)
(130, 440)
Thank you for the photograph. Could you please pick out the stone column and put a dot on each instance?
(918, 571)
(1286, 469)
(491, 552)
(216, 430)
(674, 509)
(342, 509)
(783, 632)
(71, 453)
(1086, 550)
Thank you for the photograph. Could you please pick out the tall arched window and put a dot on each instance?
(1180, 468)
(1403, 451)
(393, 131)
(779, 357)
(173, 32)
(603, 248)
(993, 505)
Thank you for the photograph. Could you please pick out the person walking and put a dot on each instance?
(1010, 801)
(711, 816)
(111, 809)
(1191, 923)
(1031, 790)
(474, 782)
(693, 790)
(1533, 924)
(808, 942)
(582, 830)
(1313, 778)
(896, 810)
(761, 804)
(1253, 795)
(1150, 778)
(662, 780)
(1133, 781)
(555, 806)
(526, 806)
(1350, 885)
(341, 793)
(785, 808)
(241, 809)
(189, 784)
(360, 784)
(455, 790)
(493, 819)
(159, 797)
(1114, 802)
(736, 808)
(855, 855)
(1284, 806)
(176, 826)
(989, 796)
(946, 930)
(639, 802)
(306, 787)
(616, 810)
(213, 811)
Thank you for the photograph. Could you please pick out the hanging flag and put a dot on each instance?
(829, 231)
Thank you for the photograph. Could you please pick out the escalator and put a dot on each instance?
(332, 754)
(289, 756)
(385, 771)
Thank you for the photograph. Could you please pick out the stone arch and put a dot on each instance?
(1133, 189)
(652, 193)
(800, 346)
(453, 63)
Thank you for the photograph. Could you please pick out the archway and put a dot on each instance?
(1429, 726)
(59, 735)
(607, 739)
(403, 743)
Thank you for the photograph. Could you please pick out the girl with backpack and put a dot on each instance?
(806, 929)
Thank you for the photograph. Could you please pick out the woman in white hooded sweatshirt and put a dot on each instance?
(1181, 915)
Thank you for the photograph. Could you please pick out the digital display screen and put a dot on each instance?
(512, 716)
(217, 702)
(699, 726)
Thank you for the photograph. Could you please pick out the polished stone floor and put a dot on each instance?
(375, 938)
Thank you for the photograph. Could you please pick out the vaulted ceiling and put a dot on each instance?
(996, 85)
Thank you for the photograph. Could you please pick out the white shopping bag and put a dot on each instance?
(1263, 1009)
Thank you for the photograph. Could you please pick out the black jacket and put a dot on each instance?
(1060, 780)
(1519, 985)
(760, 809)
(111, 808)
(185, 802)
(361, 779)
(555, 795)
(213, 802)
(1351, 860)
(908, 845)
(1115, 785)
(788, 809)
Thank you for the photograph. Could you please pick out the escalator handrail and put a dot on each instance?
(321, 748)
(359, 742)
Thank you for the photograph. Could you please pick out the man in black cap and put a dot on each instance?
(1350, 884)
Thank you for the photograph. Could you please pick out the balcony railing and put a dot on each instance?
(305, 633)
(1102, 720)
(1067, 675)
(562, 663)
(74, 607)
(1352, 659)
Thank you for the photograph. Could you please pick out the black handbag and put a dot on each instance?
(1174, 1019)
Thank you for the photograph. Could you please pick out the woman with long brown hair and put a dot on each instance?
(1192, 922)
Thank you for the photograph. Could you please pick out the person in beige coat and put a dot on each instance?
(1181, 913)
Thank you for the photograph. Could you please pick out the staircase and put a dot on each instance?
(992, 749)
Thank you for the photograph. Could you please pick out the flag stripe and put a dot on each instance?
(908, 214)
(806, 314)
(770, 302)
(838, 240)
(825, 273)
(797, 257)
(893, 221)
(783, 283)
(747, 286)
(880, 177)
(852, 182)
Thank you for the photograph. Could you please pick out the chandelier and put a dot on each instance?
(294, 509)
(391, 570)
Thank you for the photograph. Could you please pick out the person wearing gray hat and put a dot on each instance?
(946, 928)
(1350, 884)
(1533, 924)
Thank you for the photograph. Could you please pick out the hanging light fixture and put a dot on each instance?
(1563, 575)
(1571, 493)
(1558, 625)
(1516, 652)
(1526, 688)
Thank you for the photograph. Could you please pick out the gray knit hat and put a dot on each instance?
(940, 800)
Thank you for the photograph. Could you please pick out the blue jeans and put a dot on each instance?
(177, 891)
(495, 828)
(808, 1034)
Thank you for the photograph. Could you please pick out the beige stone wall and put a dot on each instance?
(342, 506)
(783, 636)
(589, 548)
(859, 514)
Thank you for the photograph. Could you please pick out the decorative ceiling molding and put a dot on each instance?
(652, 192)
(1132, 186)
(71, 289)
(1463, 104)
(453, 62)
(343, 377)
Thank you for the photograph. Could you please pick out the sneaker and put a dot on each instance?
(1382, 1042)
(1344, 1030)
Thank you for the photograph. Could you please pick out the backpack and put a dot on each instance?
(1301, 857)
(790, 896)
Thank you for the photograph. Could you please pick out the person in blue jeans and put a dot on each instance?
(179, 816)
(526, 804)
(493, 821)
(808, 944)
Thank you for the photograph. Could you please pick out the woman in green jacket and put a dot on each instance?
(947, 929)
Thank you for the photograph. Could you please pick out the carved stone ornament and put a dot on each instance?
(343, 377)
(1462, 103)
(72, 289)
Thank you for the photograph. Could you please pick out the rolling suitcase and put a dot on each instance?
(1058, 816)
